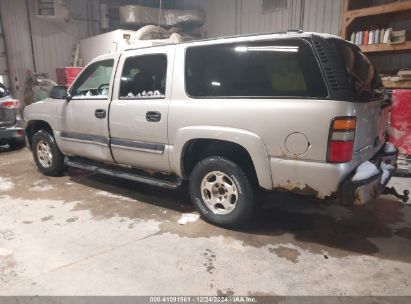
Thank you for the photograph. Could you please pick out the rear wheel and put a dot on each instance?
(47, 155)
(222, 192)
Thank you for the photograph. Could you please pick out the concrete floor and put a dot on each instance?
(84, 234)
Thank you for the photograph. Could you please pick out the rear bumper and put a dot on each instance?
(15, 133)
(404, 164)
(363, 191)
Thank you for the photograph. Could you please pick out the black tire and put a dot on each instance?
(246, 195)
(56, 167)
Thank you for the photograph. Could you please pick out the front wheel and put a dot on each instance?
(222, 192)
(47, 155)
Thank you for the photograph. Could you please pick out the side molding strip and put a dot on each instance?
(137, 145)
(115, 142)
(86, 138)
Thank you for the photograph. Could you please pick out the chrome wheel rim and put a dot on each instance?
(219, 192)
(44, 155)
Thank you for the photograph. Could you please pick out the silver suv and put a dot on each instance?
(11, 131)
(299, 112)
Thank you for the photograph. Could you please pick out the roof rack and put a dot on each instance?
(293, 32)
(299, 31)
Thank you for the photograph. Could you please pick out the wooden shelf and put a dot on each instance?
(404, 84)
(385, 47)
(350, 15)
(379, 9)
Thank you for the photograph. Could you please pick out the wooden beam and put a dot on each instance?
(386, 47)
(346, 6)
(346, 21)
(379, 9)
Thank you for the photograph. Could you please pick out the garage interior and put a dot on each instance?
(83, 234)
(38, 41)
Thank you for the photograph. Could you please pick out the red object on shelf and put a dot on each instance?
(401, 120)
(66, 75)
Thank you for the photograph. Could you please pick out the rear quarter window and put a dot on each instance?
(264, 69)
(363, 78)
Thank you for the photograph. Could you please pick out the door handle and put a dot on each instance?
(100, 113)
(153, 116)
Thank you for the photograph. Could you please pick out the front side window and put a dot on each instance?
(284, 68)
(144, 77)
(94, 82)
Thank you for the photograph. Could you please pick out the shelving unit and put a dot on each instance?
(394, 8)
(377, 10)
(386, 47)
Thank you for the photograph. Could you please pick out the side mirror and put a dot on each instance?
(60, 92)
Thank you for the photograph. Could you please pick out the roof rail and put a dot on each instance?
(295, 31)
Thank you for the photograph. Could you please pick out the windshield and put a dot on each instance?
(3, 91)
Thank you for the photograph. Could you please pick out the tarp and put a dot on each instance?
(401, 121)
(141, 15)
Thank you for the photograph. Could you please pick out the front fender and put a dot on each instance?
(44, 110)
(248, 140)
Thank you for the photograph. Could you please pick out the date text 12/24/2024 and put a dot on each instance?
(204, 299)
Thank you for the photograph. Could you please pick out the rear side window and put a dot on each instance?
(362, 76)
(3, 91)
(264, 69)
(144, 77)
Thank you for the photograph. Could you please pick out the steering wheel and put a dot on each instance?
(101, 86)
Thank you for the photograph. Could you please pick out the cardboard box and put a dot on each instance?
(397, 37)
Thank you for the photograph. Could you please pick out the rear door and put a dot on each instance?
(139, 110)
(369, 106)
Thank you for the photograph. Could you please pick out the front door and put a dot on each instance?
(84, 119)
(139, 110)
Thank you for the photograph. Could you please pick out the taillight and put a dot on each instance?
(10, 104)
(341, 140)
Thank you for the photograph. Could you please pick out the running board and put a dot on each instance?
(130, 174)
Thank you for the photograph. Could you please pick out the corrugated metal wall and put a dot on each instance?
(254, 20)
(4, 73)
(53, 41)
(230, 17)
(221, 19)
(17, 38)
(322, 16)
